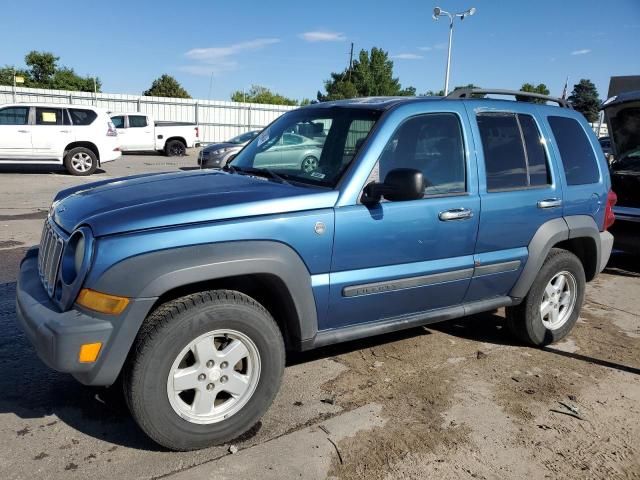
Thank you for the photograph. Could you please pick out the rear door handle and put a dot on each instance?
(550, 203)
(455, 214)
(65, 131)
(23, 131)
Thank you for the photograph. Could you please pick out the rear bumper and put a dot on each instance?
(606, 245)
(57, 336)
(110, 155)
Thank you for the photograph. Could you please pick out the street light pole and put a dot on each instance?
(437, 13)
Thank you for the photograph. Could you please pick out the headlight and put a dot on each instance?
(76, 255)
(220, 151)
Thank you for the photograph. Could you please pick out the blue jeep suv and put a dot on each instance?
(190, 287)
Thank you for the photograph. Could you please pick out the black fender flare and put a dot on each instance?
(152, 274)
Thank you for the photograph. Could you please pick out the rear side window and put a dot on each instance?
(118, 121)
(14, 116)
(137, 121)
(48, 116)
(513, 151)
(80, 116)
(580, 164)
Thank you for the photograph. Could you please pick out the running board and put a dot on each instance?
(354, 332)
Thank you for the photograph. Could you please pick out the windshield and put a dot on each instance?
(625, 126)
(244, 138)
(310, 145)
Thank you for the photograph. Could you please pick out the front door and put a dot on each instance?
(519, 191)
(15, 133)
(395, 259)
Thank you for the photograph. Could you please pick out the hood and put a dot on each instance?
(166, 199)
(216, 146)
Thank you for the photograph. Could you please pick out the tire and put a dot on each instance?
(175, 148)
(81, 161)
(309, 164)
(537, 323)
(150, 381)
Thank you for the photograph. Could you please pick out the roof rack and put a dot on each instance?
(469, 92)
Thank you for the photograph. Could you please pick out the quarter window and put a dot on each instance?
(137, 121)
(578, 158)
(48, 116)
(14, 116)
(433, 144)
(514, 152)
(81, 116)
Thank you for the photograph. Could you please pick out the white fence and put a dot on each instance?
(218, 120)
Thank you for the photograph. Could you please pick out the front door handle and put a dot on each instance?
(455, 214)
(550, 203)
(23, 131)
(65, 131)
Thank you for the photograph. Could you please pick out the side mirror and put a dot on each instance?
(400, 184)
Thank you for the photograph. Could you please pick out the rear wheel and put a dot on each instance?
(309, 164)
(175, 148)
(552, 306)
(204, 369)
(80, 161)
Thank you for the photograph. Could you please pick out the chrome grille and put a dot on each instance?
(51, 245)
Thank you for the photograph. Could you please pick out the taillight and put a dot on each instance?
(111, 130)
(609, 216)
(197, 132)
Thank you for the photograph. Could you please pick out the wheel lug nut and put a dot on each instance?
(210, 386)
(202, 376)
(224, 365)
(223, 379)
(210, 364)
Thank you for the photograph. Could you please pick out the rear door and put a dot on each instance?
(15, 133)
(519, 191)
(51, 132)
(139, 133)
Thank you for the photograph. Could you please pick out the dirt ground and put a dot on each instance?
(457, 400)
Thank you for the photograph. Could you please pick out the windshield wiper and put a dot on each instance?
(262, 172)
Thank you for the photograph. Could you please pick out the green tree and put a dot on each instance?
(371, 75)
(166, 86)
(43, 72)
(541, 88)
(584, 99)
(42, 66)
(259, 94)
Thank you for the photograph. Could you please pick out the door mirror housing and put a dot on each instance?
(400, 184)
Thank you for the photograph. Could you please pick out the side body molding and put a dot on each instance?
(155, 273)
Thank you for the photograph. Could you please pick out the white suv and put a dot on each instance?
(78, 136)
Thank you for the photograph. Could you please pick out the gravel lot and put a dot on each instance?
(459, 399)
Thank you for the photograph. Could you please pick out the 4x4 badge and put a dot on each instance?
(320, 228)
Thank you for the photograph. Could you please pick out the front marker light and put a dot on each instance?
(102, 302)
(89, 352)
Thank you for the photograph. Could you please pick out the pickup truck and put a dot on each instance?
(138, 132)
(191, 287)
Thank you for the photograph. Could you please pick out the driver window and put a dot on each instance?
(433, 144)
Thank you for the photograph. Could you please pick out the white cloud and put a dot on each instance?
(584, 51)
(440, 46)
(220, 59)
(425, 49)
(323, 36)
(407, 56)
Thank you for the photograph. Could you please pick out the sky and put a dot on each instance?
(215, 47)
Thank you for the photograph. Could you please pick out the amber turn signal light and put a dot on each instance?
(102, 302)
(89, 352)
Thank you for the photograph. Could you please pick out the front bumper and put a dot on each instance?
(210, 160)
(57, 336)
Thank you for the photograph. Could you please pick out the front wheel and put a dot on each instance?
(552, 306)
(204, 369)
(309, 164)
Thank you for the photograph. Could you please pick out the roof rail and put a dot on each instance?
(469, 92)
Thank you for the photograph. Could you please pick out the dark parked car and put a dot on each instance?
(192, 287)
(217, 155)
(623, 117)
(605, 143)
